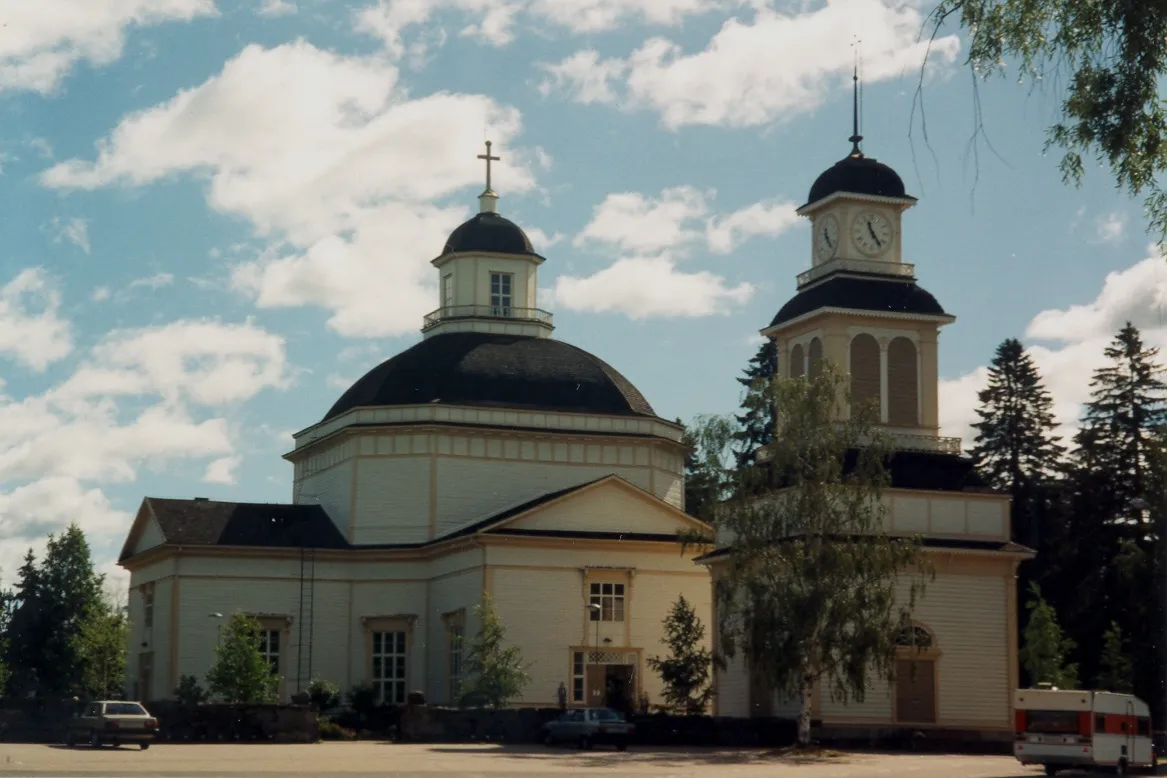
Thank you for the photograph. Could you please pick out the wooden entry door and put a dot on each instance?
(595, 684)
(916, 691)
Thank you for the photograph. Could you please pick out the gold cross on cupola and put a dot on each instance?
(488, 200)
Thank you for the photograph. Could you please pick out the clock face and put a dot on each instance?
(871, 232)
(826, 237)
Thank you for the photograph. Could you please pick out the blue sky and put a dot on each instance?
(219, 214)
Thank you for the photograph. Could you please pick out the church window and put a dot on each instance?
(610, 598)
(448, 290)
(815, 357)
(388, 670)
(148, 605)
(577, 676)
(454, 639)
(797, 362)
(500, 293)
(269, 646)
(865, 374)
(903, 395)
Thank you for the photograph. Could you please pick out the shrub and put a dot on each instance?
(323, 694)
(189, 692)
(363, 698)
(332, 731)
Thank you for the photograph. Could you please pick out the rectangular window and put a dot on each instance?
(269, 646)
(577, 676)
(610, 598)
(148, 605)
(1052, 722)
(500, 294)
(388, 670)
(448, 290)
(454, 637)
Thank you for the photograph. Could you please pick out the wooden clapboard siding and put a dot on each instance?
(797, 362)
(815, 354)
(903, 394)
(864, 372)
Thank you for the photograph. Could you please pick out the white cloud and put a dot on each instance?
(493, 21)
(277, 8)
(31, 329)
(156, 281)
(644, 287)
(1076, 337)
(726, 234)
(541, 240)
(1111, 227)
(776, 67)
(101, 293)
(633, 222)
(341, 174)
(43, 40)
(222, 470)
(75, 231)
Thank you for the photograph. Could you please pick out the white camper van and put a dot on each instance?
(1062, 729)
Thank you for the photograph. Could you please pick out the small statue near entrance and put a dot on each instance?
(561, 694)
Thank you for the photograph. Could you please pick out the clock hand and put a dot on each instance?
(878, 242)
(827, 238)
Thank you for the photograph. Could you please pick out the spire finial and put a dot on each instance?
(855, 136)
(488, 199)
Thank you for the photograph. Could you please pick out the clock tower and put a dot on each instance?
(859, 304)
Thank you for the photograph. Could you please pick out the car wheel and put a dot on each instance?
(548, 739)
(585, 743)
(1120, 768)
(621, 745)
(70, 739)
(94, 739)
(143, 746)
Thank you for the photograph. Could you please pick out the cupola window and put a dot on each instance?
(500, 294)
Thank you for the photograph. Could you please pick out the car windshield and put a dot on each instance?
(608, 715)
(124, 709)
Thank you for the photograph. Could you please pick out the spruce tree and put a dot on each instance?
(1046, 650)
(686, 672)
(1117, 671)
(496, 675)
(756, 421)
(241, 673)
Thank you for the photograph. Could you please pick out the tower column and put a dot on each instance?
(883, 399)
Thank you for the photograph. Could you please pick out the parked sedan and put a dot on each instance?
(589, 726)
(114, 722)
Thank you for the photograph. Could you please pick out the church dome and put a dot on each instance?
(496, 371)
(487, 231)
(857, 174)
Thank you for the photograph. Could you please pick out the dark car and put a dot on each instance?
(114, 722)
(589, 726)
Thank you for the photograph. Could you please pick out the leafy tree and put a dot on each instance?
(1117, 674)
(241, 673)
(1046, 650)
(686, 671)
(495, 675)
(101, 643)
(190, 692)
(756, 422)
(708, 449)
(812, 588)
(1110, 54)
(323, 694)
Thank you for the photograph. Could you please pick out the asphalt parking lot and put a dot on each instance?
(356, 760)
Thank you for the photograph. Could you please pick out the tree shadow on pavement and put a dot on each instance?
(655, 756)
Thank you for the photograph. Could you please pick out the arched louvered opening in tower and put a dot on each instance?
(797, 362)
(815, 357)
(903, 384)
(865, 375)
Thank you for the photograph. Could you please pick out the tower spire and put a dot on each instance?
(488, 200)
(855, 136)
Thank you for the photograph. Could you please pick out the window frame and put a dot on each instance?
(502, 303)
(148, 605)
(389, 625)
(448, 290)
(578, 676)
(612, 602)
(455, 627)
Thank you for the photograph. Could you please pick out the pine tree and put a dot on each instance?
(1117, 671)
(495, 675)
(685, 673)
(1016, 449)
(756, 422)
(241, 673)
(1046, 650)
(707, 450)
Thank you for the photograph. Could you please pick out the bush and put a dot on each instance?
(325, 695)
(363, 698)
(332, 731)
(189, 692)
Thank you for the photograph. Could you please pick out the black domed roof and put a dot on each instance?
(487, 231)
(861, 294)
(858, 174)
(496, 371)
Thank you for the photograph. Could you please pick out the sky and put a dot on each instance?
(217, 214)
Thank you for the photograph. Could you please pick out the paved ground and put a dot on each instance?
(387, 760)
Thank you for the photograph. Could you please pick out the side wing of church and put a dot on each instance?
(487, 458)
(860, 308)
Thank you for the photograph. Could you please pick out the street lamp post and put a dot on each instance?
(1161, 567)
(597, 610)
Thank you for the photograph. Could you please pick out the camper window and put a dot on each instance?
(1052, 722)
(1144, 727)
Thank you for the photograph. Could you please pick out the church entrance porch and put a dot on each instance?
(605, 679)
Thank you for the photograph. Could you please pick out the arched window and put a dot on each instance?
(865, 374)
(903, 394)
(914, 636)
(915, 676)
(797, 362)
(815, 357)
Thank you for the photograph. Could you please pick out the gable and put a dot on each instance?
(609, 505)
(150, 535)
